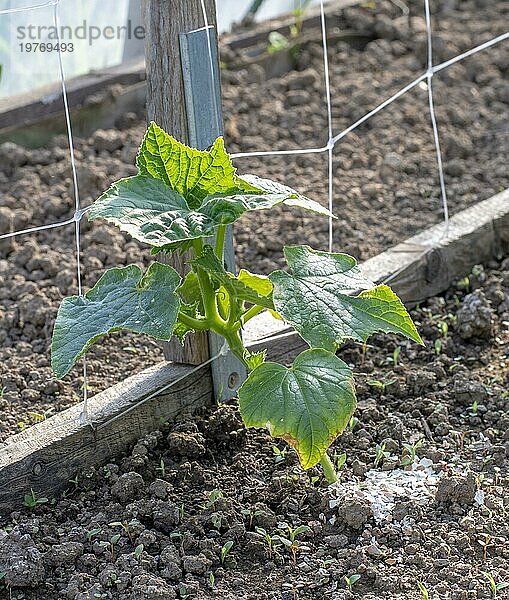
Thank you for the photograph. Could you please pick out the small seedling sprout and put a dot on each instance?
(93, 533)
(381, 454)
(395, 355)
(340, 460)
(494, 586)
(161, 468)
(138, 551)
(352, 423)
(279, 455)
(269, 540)
(410, 452)
(352, 580)
(33, 500)
(225, 550)
(424, 590)
(381, 384)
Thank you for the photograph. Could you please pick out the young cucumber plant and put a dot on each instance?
(179, 199)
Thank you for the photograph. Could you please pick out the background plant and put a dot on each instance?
(179, 199)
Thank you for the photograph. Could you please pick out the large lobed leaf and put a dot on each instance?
(152, 213)
(314, 298)
(182, 193)
(308, 405)
(291, 197)
(194, 174)
(122, 299)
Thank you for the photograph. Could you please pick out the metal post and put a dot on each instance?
(202, 90)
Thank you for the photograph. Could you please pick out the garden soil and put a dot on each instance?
(218, 483)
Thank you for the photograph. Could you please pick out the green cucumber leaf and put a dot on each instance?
(152, 213)
(289, 196)
(261, 284)
(182, 329)
(122, 299)
(255, 359)
(189, 289)
(248, 288)
(308, 405)
(194, 174)
(181, 246)
(314, 299)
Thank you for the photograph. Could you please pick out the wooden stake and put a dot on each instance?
(164, 21)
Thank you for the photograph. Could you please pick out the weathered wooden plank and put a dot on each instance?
(428, 263)
(46, 456)
(47, 102)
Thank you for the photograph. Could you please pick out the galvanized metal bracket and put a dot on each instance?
(202, 88)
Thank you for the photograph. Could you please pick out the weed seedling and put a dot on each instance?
(424, 590)
(93, 533)
(352, 423)
(161, 468)
(33, 500)
(138, 551)
(271, 541)
(340, 460)
(225, 550)
(486, 542)
(37, 417)
(395, 356)
(75, 482)
(251, 513)
(173, 207)
(290, 539)
(352, 580)
(494, 586)
(410, 452)
(279, 455)
(277, 42)
(381, 384)
(381, 454)
(125, 527)
(213, 497)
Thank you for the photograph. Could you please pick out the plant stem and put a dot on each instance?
(235, 344)
(220, 239)
(252, 312)
(207, 291)
(329, 470)
(197, 324)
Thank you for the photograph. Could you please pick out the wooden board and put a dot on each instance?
(258, 33)
(46, 456)
(96, 100)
